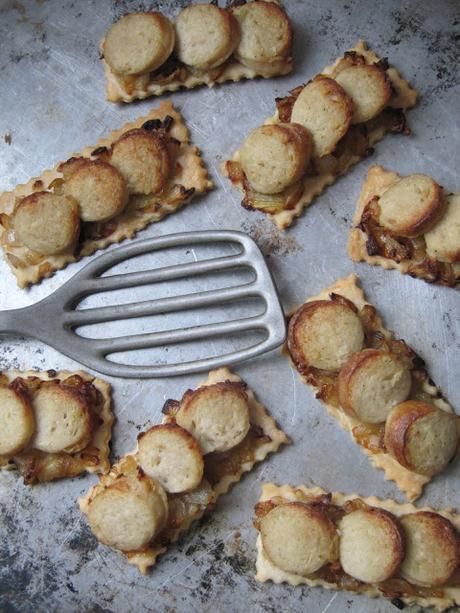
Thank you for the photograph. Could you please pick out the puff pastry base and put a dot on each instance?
(189, 172)
(409, 482)
(36, 466)
(267, 571)
(404, 99)
(377, 181)
(270, 439)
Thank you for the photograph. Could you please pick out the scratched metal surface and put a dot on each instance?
(52, 104)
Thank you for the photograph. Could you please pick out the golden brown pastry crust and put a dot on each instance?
(353, 147)
(362, 247)
(324, 384)
(177, 76)
(34, 465)
(266, 571)
(189, 178)
(221, 471)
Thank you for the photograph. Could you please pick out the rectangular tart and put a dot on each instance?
(369, 242)
(174, 74)
(38, 465)
(370, 436)
(332, 576)
(358, 142)
(188, 178)
(221, 470)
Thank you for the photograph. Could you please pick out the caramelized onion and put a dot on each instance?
(184, 507)
(284, 105)
(370, 436)
(219, 465)
(15, 261)
(399, 249)
(392, 588)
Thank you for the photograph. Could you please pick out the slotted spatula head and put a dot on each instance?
(56, 319)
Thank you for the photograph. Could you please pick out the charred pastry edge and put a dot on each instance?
(409, 482)
(189, 157)
(267, 571)
(102, 431)
(230, 70)
(314, 186)
(259, 416)
(379, 178)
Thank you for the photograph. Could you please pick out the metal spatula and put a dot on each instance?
(55, 319)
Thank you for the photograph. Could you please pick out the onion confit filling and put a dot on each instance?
(380, 241)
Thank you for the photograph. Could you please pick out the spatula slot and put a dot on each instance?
(215, 279)
(227, 311)
(190, 352)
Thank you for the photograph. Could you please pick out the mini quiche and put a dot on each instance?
(408, 223)
(319, 131)
(376, 386)
(206, 442)
(54, 424)
(146, 54)
(106, 193)
(364, 545)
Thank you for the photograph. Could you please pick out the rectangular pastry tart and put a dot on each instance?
(319, 131)
(54, 424)
(374, 385)
(369, 546)
(408, 223)
(102, 195)
(145, 54)
(206, 441)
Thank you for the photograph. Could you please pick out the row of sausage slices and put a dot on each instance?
(93, 190)
(275, 156)
(374, 386)
(55, 418)
(203, 37)
(128, 513)
(370, 544)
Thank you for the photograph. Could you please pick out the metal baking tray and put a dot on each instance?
(52, 103)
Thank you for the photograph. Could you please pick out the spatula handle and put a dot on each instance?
(13, 322)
